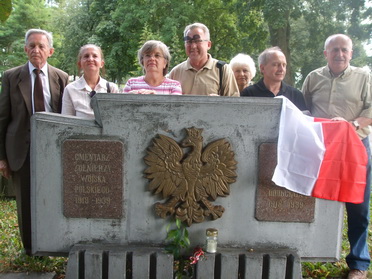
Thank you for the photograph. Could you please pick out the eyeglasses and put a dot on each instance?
(156, 55)
(198, 42)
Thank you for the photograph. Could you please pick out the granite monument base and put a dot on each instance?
(113, 262)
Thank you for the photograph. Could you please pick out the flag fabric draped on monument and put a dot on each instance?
(319, 157)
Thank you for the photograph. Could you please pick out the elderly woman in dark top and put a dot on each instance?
(244, 70)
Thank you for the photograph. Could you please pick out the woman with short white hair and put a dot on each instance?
(244, 70)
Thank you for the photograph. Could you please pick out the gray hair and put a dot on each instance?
(242, 59)
(149, 47)
(197, 25)
(265, 55)
(47, 34)
(334, 36)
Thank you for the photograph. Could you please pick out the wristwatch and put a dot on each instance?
(355, 124)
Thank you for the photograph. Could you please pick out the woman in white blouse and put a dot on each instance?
(77, 95)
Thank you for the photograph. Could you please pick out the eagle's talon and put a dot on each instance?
(215, 212)
(162, 210)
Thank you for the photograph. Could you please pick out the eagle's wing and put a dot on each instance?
(218, 170)
(164, 167)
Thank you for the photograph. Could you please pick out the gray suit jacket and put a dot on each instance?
(16, 111)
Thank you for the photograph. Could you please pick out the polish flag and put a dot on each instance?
(319, 157)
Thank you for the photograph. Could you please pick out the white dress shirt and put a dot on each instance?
(76, 98)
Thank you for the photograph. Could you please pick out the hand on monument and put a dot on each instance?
(4, 169)
(142, 91)
(145, 91)
(337, 118)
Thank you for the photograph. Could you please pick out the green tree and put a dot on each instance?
(25, 15)
(307, 40)
(120, 27)
(299, 28)
(166, 20)
(5, 9)
(76, 26)
(277, 16)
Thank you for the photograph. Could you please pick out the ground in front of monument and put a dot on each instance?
(15, 265)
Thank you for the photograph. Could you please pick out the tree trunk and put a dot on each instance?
(280, 37)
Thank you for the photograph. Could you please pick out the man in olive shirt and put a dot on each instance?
(342, 92)
(200, 74)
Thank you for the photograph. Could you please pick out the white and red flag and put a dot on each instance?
(319, 157)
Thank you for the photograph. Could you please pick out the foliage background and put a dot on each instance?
(120, 27)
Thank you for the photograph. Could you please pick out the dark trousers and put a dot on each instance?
(22, 187)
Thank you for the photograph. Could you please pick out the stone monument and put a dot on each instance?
(89, 185)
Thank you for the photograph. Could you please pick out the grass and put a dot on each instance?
(12, 259)
(338, 269)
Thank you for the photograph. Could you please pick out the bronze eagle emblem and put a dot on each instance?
(190, 181)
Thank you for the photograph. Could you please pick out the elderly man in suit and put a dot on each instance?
(26, 89)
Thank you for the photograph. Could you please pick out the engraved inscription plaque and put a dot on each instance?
(92, 178)
(275, 203)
